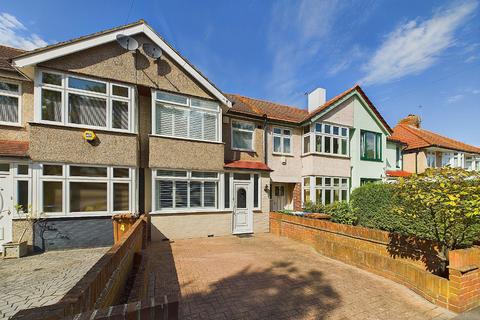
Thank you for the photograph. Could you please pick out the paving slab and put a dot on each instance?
(42, 279)
(270, 277)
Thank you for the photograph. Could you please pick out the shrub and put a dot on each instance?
(447, 202)
(314, 207)
(341, 212)
(373, 204)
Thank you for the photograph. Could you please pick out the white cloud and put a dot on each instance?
(415, 45)
(297, 31)
(14, 34)
(355, 54)
(455, 98)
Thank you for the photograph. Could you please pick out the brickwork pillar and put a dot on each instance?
(464, 288)
(297, 197)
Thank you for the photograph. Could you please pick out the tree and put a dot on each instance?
(444, 205)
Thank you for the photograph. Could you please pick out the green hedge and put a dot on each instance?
(373, 205)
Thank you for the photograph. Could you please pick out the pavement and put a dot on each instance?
(270, 277)
(42, 279)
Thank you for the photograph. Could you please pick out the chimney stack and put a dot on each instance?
(411, 120)
(316, 98)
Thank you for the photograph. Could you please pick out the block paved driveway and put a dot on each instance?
(42, 279)
(269, 277)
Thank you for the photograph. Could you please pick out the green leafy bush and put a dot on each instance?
(341, 212)
(314, 207)
(373, 204)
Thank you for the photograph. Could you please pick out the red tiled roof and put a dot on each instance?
(398, 173)
(247, 164)
(417, 138)
(7, 53)
(13, 148)
(282, 112)
(273, 110)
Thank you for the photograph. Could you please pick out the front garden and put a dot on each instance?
(441, 205)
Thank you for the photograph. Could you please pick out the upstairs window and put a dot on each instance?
(9, 103)
(77, 101)
(184, 117)
(371, 146)
(326, 139)
(282, 141)
(242, 135)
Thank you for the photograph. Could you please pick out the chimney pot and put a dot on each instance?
(316, 98)
(411, 120)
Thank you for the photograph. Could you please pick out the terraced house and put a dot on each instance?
(425, 149)
(89, 129)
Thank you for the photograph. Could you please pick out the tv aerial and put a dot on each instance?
(152, 50)
(127, 42)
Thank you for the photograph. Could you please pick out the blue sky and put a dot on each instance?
(419, 57)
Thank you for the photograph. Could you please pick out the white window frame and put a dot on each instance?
(66, 178)
(17, 95)
(184, 106)
(431, 155)
(219, 195)
(313, 187)
(65, 90)
(312, 134)
(22, 177)
(282, 137)
(232, 129)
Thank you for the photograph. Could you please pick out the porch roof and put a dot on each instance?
(247, 164)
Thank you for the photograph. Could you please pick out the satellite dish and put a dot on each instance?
(152, 50)
(127, 42)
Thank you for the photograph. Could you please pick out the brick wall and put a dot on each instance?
(403, 260)
(103, 285)
(297, 197)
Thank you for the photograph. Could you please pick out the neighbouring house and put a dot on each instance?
(89, 129)
(425, 149)
(322, 153)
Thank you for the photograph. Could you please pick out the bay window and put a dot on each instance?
(325, 190)
(326, 139)
(83, 189)
(282, 141)
(242, 135)
(371, 146)
(185, 190)
(184, 117)
(10, 104)
(77, 101)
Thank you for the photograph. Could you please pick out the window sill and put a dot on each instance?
(242, 150)
(278, 154)
(330, 155)
(13, 125)
(80, 127)
(69, 215)
(153, 135)
(187, 211)
(371, 160)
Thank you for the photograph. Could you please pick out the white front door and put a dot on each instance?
(279, 197)
(242, 208)
(5, 210)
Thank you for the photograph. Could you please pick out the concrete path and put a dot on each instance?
(42, 279)
(269, 277)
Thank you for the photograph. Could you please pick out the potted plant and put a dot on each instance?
(18, 249)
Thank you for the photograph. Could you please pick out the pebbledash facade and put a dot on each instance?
(89, 129)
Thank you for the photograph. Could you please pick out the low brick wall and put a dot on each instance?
(408, 261)
(102, 286)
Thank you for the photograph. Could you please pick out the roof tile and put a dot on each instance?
(7, 53)
(247, 164)
(418, 138)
